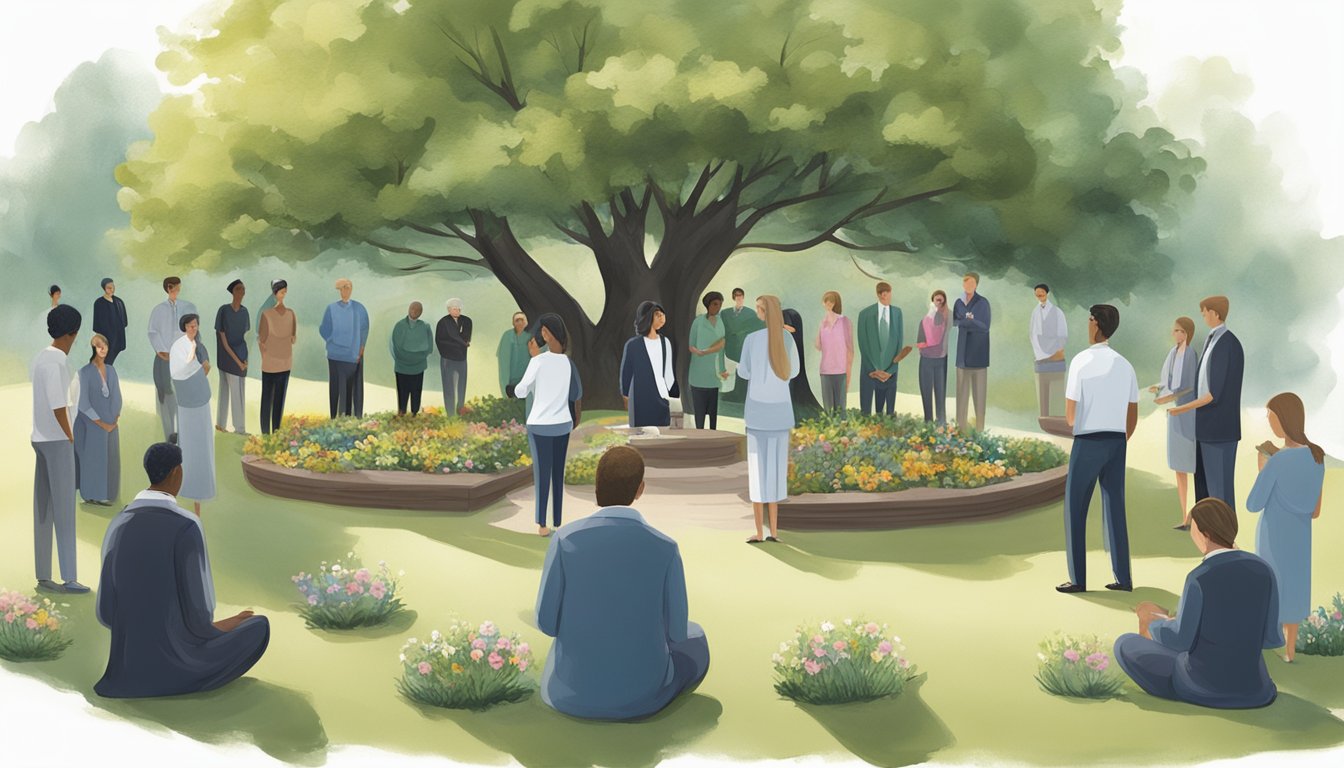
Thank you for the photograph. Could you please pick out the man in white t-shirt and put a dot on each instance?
(1102, 407)
(54, 443)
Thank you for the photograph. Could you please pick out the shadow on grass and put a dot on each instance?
(1289, 723)
(1317, 678)
(802, 560)
(399, 624)
(888, 732)
(997, 549)
(1125, 601)
(539, 737)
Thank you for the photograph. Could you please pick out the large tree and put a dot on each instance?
(659, 138)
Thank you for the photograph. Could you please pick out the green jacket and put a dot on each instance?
(705, 369)
(737, 326)
(512, 357)
(412, 341)
(872, 357)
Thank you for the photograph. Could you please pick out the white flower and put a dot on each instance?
(336, 568)
(401, 573)
(451, 650)
(412, 641)
(827, 626)
(849, 622)
(382, 563)
(783, 647)
(1041, 656)
(435, 636)
(403, 658)
(777, 659)
(349, 554)
(896, 639)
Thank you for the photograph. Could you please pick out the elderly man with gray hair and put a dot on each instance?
(453, 336)
(345, 329)
(411, 343)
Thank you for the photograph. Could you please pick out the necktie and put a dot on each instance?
(883, 328)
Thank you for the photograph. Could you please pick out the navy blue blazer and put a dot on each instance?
(647, 407)
(1220, 420)
(1229, 613)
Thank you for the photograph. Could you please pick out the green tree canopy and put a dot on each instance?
(660, 138)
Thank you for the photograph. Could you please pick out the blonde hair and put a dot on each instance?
(343, 281)
(93, 344)
(834, 298)
(774, 331)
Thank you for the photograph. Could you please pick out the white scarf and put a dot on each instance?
(1171, 370)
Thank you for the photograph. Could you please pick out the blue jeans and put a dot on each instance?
(548, 473)
(1098, 457)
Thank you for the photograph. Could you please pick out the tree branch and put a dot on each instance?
(428, 256)
(505, 88)
(573, 235)
(430, 230)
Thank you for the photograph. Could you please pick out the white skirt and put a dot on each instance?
(767, 465)
(196, 438)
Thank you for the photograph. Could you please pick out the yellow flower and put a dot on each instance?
(876, 656)
(513, 660)
(41, 616)
(457, 668)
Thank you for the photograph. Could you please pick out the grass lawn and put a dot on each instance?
(970, 601)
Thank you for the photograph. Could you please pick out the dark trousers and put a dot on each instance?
(1215, 470)
(872, 389)
(548, 474)
(345, 387)
(705, 400)
(409, 387)
(1098, 457)
(933, 387)
(112, 356)
(274, 386)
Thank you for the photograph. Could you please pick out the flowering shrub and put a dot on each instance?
(495, 411)
(851, 452)
(429, 442)
(345, 596)
(826, 664)
(1078, 666)
(469, 667)
(30, 629)
(581, 468)
(1322, 634)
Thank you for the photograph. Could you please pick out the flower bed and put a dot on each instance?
(581, 467)
(429, 442)
(1322, 634)
(469, 667)
(1079, 667)
(495, 411)
(826, 664)
(874, 454)
(30, 629)
(347, 596)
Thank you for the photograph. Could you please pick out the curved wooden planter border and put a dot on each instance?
(858, 511)
(692, 448)
(385, 489)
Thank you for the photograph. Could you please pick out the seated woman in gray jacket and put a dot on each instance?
(1209, 651)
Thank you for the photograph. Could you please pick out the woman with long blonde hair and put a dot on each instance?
(769, 362)
(1288, 491)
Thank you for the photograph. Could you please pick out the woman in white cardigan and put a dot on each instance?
(769, 362)
(189, 365)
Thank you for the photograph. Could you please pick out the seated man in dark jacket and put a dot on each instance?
(158, 598)
(1210, 651)
(613, 595)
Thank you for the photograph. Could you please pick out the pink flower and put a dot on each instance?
(293, 443)
(839, 645)
(354, 588)
(362, 576)
(378, 590)
(333, 589)
(478, 644)
(872, 629)
(503, 644)
(1339, 616)
(423, 668)
(488, 628)
(9, 617)
(524, 649)
(812, 667)
(1098, 661)
(522, 665)
(312, 599)
(446, 470)
(477, 654)
(496, 661)
(470, 465)
(884, 647)
(818, 639)
(905, 663)
(31, 624)
(1071, 655)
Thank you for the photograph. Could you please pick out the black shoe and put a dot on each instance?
(1118, 587)
(1069, 587)
(173, 438)
(1181, 527)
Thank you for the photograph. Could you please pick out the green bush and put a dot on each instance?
(1322, 634)
(581, 468)
(494, 411)
(826, 664)
(1079, 667)
(30, 628)
(345, 596)
(469, 667)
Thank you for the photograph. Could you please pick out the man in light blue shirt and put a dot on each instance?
(345, 328)
(613, 595)
(164, 329)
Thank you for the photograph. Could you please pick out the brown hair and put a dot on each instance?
(884, 287)
(1218, 304)
(834, 298)
(974, 276)
(169, 282)
(1187, 325)
(1292, 417)
(93, 345)
(938, 293)
(1216, 520)
(619, 473)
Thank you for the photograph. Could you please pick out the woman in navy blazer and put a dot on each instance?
(646, 394)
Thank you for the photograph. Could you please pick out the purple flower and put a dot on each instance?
(1071, 655)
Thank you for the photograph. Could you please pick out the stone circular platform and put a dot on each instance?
(858, 511)
(385, 489)
(686, 448)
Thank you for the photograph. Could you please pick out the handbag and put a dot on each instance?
(675, 389)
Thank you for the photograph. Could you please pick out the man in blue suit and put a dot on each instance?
(881, 336)
(1209, 652)
(613, 595)
(1218, 407)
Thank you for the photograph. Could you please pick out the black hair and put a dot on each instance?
(1107, 317)
(711, 297)
(186, 319)
(160, 461)
(644, 316)
(233, 285)
(63, 320)
(278, 286)
(105, 281)
(553, 323)
(795, 320)
(1041, 287)
(736, 291)
(53, 290)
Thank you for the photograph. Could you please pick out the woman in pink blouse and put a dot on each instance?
(835, 339)
(932, 343)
